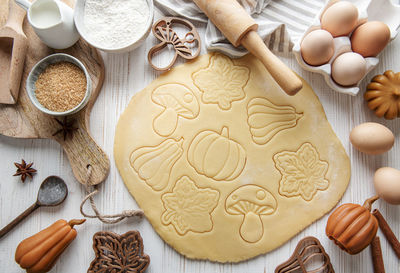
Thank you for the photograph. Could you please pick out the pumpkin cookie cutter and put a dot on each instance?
(162, 30)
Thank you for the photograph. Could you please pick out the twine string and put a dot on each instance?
(105, 218)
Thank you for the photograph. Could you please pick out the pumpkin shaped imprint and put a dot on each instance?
(154, 164)
(266, 119)
(216, 155)
(352, 227)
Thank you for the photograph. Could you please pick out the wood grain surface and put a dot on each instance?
(23, 120)
(126, 74)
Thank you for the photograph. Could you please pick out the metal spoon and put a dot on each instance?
(52, 192)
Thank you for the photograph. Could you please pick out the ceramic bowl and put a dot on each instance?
(40, 67)
(371, 10)
(79, 11)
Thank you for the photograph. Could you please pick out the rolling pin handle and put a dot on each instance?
(282, 74)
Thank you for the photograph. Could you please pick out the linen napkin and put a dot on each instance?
(281, 22)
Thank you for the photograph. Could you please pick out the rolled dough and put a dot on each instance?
(224, 164)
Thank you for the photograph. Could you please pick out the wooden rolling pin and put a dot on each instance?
(240, 29)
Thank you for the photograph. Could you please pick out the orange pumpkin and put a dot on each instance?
(38, 253)
(352, 227)
(383, 95)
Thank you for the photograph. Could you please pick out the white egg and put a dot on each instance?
(317, 47)
(387, 184)
(348, 68)
(340, 19)
(372, 138)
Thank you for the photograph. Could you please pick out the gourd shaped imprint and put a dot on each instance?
(216, 156)
(154, 164)
(266, 119)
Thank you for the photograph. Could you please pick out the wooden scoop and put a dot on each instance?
(240, 29)
(13, 47)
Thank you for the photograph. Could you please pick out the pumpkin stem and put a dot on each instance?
(396, 93)
(368, 203)
(74, 222)
(225, 132)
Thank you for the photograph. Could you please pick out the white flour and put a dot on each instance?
(115, 23)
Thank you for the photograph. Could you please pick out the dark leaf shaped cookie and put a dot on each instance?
(118, 253)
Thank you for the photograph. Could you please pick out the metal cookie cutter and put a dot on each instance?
(163, 31)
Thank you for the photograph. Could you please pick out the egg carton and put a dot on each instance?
(371, 10)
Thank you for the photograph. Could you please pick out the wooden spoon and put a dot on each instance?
(52, 192)
(13, 47)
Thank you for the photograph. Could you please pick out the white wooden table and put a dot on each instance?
(127, 74)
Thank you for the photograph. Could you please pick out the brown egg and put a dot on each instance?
(317, 47)
(387, 184)
(340, 19)
(372, 138)
(370, 38)
(348, 68)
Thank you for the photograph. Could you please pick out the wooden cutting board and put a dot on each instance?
(23, 120)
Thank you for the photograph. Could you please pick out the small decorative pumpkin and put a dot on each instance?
(383, 95)
(266, 119)
(352, 227)
(216, 156)
(154, 164)
(38, 253)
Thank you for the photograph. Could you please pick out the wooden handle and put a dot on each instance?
(229, 17)
(17, 220)
(16, 17)
(83, 151)
(15, 50)
(282, 74)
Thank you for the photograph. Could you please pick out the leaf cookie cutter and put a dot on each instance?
(163, 31)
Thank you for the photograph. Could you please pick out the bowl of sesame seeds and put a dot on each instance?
(59, 85)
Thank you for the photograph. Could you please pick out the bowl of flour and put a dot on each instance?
(114, 26)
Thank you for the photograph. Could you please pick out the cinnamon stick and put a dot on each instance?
(387, 231)
(377, 259)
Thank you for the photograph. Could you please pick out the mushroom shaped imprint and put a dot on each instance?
(252, 202)
(178, 100)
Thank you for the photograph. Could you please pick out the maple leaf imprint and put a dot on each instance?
(118, 253)
(189, 208)
(303, 173)
(222, 82)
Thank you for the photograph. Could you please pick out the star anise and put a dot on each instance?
(67, 128)
(24, 170)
